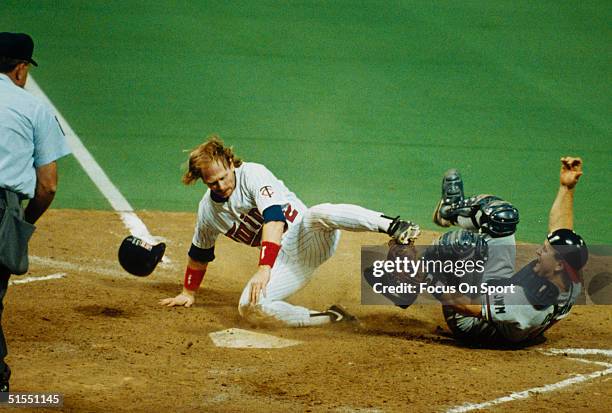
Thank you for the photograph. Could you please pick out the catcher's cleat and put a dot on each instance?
(338, 314)
(404, 232)
(452, 194)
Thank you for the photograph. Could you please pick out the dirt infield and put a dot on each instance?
(98, 336)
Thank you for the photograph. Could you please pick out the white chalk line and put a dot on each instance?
(78, 268)
(576, 379)
(68, 266)
(132, 222)
(34, 279)
(599, 363)
(578, 351)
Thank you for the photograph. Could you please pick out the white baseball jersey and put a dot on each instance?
(310, 239)
(240, 217)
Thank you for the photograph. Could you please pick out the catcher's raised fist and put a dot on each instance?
(571, 171)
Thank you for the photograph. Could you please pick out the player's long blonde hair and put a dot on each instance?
(211, 150)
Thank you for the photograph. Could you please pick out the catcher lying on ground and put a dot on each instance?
(526, 303)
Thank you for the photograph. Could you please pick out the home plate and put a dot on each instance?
(238, 338)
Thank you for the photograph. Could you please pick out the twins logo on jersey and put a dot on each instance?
(248, 231)
(266, 191)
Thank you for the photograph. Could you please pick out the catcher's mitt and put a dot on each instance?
(395, 284)
(397, 250)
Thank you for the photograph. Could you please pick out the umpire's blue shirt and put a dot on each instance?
(30, 137)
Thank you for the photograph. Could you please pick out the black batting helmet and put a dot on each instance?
(138, 257)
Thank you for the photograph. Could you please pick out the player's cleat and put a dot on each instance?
(338, 314)
(404, 232)
(452, 194)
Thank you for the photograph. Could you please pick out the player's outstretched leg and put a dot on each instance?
(327, 217)
(303, 250)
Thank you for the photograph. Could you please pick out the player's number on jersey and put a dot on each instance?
(290, 213)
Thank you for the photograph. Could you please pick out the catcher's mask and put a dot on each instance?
(138, 257)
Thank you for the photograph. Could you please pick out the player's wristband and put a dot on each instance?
(269, 251)
(193, 278)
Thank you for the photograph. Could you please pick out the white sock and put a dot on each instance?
(383, 223)
(318, 319)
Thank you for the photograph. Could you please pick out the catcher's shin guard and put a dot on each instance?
(497, 217)
(490, 214)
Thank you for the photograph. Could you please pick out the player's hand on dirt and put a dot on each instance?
(185, 299)
(259, 282)
(571, 171)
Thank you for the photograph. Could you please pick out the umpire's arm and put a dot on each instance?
(46, 186)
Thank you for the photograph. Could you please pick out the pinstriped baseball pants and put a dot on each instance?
(303, 249)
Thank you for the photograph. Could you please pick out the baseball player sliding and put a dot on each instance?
(546, 288)
(248, 204)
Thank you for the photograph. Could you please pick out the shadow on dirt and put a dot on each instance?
(100, 310)
(407, 328)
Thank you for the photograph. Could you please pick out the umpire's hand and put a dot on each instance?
(185, 299)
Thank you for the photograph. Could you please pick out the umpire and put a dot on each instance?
(31, 140)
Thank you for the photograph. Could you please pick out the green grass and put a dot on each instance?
(367, 102)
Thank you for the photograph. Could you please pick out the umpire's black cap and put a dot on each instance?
(138, 257)
(17, 46)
